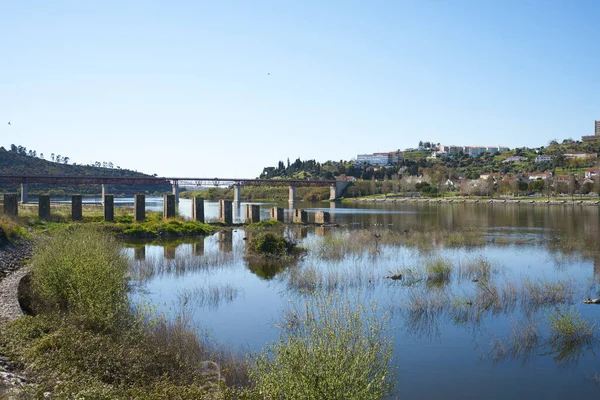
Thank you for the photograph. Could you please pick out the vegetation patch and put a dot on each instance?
(330, 350)
(11, 230)
(273, 244)
(88, 341)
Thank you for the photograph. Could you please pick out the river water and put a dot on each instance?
(450, 340)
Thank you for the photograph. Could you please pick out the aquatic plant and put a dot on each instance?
(332, 349)
(438, 271)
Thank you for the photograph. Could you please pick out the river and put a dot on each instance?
(447, 342)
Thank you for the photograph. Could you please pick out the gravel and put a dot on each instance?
(12, 260)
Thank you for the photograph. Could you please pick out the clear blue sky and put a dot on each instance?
(183, 87)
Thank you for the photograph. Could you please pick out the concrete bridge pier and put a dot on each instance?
(197, 209)
(104, 189)
(175, 190)
(168, 206)
(76, 207)
(237, 194)
(252, 213)
(322, 217)
(300, 216)
(11, 204)
(139, 207)
(44, 206)
(336, 190)
(292, 199)
(225, 212)
(24, 193)
(277, 214)
(109, 207)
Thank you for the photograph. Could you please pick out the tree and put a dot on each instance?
(373, 186)
(13, 148)
(548, 185)
(52, 156)
(65, 160)
(386, 185)
(395, 183)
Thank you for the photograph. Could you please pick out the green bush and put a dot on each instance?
(332, 350)
(270, 243)
(81, 270)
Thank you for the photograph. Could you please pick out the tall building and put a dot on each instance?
(596, 135)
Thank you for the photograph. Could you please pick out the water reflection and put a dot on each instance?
(139, 253)
(198, 247)
(226, 241)
(503, 268)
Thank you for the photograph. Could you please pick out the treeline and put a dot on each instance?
(56, 158)
(20, 162)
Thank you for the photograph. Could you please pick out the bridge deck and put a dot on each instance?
(125, 180)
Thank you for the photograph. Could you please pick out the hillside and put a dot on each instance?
(420, 162)
(14, 163)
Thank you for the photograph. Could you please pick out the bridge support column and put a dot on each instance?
(277, 214)
(175, 191)
(225, 212)
(300, 216)
(11, 204)
(322, 217)
(168, 206)
(76, 207)
(237, 194)
(292, 199)
(24, 193)
(104, 190)
(252, 213)
(109, 207)
(44, 206)
(332, 192)
(139, 207)
(197, 209)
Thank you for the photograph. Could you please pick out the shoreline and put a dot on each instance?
(488, 201)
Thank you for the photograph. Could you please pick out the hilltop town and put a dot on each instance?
(567, 168)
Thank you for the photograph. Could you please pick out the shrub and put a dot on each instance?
(270, 243)
(332, 350)
(568, 327)
(81, 270)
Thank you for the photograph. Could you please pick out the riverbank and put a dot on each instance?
(13, 256)
(460, 200)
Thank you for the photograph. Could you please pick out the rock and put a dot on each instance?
(592, 301)
(394, 277)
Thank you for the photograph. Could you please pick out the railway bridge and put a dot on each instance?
(336, 186)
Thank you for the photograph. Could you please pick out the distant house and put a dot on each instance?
(345, 178)
(592, 172)
(543, 158)
(514, 159)
(381, 159)
(538, 175)
(570, 156)
(562, 178)
(474, 151)
(496, 176)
